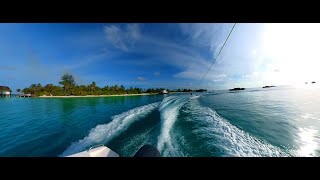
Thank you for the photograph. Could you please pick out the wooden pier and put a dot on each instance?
(16, 95)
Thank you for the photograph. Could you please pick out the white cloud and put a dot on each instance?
(123, 38)
(208, 35)
(294, 49)
(133, 31)
(156, 74)
(184, 56)
(217, 77)
(188, 74)
(114, 36)
(166, 52)
(141, 78)
(246, 76)
(242, 58)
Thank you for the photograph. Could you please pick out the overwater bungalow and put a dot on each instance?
(164, 92)
(5, 91)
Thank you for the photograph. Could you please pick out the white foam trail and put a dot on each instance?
(194, 97)
(169, 110)
(103, 133)
(227, 137)
(135, 143)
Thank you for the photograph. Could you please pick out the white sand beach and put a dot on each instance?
(142, 94)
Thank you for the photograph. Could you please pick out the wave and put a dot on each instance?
(136, 142)
(231, 140)
(218, 132)
(169, 111)
(194, 96)
(102, 134)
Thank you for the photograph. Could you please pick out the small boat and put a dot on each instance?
(103, 151)
(164, 92)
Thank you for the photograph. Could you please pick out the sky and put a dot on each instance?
(156, 55)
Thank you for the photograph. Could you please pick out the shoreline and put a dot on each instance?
(142, 94)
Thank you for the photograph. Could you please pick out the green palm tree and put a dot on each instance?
(93, 86)
(67, 81)
(48, 88)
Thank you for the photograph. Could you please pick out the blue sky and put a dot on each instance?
(158, 55)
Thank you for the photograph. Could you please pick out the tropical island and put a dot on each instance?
(237, 89)
(69, 88)
(268, 86)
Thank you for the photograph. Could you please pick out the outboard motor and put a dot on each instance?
(147, 151)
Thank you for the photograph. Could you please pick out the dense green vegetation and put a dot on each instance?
(69, 88)
(181, 90)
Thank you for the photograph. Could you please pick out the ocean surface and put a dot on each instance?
(280, 121)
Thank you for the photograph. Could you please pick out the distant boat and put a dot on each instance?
(268, 86)
(237, 89)
(313, 82)
(164, 92)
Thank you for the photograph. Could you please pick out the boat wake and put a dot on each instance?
(135, 143)
(102, 134)
(169, 111)
(217, 133)
(226, 137)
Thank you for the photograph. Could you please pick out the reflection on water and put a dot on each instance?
(309, 116)
(47, 126)
(288, 118)
(308, 141)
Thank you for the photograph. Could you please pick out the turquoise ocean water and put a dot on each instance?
(256, 122)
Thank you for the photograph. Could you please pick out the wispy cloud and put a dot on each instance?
(7, 68)
(90, 59)
(159, 51)
(220, 77)
(191, 62)
(124, 38)
(240, 59)
(36, 68)
(141, 78)
(246, 76)
(205, 35)
(191, 55)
